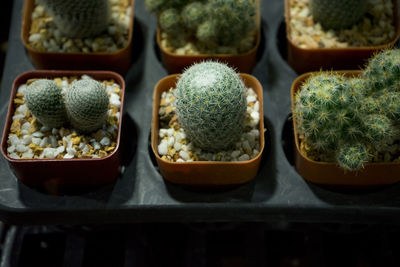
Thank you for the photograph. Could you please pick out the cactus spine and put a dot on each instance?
(87, 104)
(78, 18)
(45, 101)
(211, 105)
(337, 14)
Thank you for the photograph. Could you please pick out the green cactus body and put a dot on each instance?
(157, 6)
(211, 105)
(352, 157)
(87, 105)
(193, 15)
(170, 21)
(337, 14)
(207, 34)
(79, 18)
(232, 19)
(383, 71)
(45, 101)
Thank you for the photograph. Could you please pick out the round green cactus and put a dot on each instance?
(352, 157)
(170, 20)
(193, 15)
(77, 18)
(211, 105)
(337, 14)
(383, 71)
(45, 101)
(87, 105)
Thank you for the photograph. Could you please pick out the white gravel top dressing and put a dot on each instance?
(46, 37)
(376, 28)
(28, 139)
(175, 147)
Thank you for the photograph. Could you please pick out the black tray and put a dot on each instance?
(277, 194)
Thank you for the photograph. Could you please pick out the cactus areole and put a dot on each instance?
(211, 105)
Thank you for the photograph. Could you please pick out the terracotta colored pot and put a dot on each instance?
(64, 171)
(118, 61)
(244, 62)
(206, 173)
(313, 59)
(329, 173)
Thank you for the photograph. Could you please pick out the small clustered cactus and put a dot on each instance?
(337, 14)
(79, 18)
(352, 119)
(84, 105)
(210, 101)
(212, 23)
(44, 99)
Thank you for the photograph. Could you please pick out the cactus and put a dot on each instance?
(87, 103)
(338, 116)
(231, 19)
(157, 6)
(337, 14)
(45, 101)
(170, 21)
(78, 18)
(211, 105)
(193, 15)
(383, 71)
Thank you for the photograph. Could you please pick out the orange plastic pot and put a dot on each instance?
(313, 59)
(244, 62)
(329, 173)
(118, 61)
(75, 172)
(205, 173)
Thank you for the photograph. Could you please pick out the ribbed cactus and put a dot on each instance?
(87, 105)
(45, 101)
(337, 14)
(339, 117)
(211, 105)
(79, 18)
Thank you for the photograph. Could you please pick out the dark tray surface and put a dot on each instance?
(277, 194)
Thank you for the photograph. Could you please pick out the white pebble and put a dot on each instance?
(44, 129)
(250, 98)
(170, 132)
(71, 151)
(244, 157)
(184, 155)
(68, 156)
(44, 142)
(105, 141)
(53, 141)
(10, 149)
(14, 140)
(163, 148)
(177, 146)
(38, 134)
(235, 153)
(180, 160)
(114, 99)
(36, 37)
(96, 146)
(22, 89)
(27, 139)
(21, 148)
(36, 140)
(19, 116)
(26, 126)
(28, 154)
(171, 141)
(14, 156)
(22, 109)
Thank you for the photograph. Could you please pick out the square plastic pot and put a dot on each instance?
(329, 173)
(244, 62)
(205, 173)
(74, 171)
(118, 61)
(313, 59)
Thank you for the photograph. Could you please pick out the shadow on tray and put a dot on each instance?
(117, 192)
(257, 190)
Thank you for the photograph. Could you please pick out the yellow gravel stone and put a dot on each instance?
(58, 81)
(76, 140)
(18, 101)
(15, 126)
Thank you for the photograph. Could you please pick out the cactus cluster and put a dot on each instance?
(210, 101)
(337, 14)
(84, 105)
(77, 18)
(211, 23)
(350, 119)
